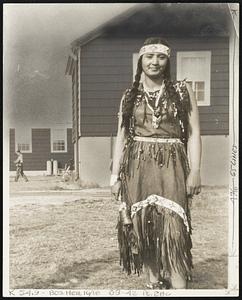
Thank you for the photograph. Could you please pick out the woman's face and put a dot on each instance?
(154, 64)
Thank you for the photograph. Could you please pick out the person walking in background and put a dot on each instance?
(20, 166)
(152, 175)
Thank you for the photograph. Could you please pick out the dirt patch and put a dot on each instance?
(73, 244)
(48, 183)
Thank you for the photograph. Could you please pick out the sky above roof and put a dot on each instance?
(36, 39)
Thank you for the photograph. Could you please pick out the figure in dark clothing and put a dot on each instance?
(20, 167)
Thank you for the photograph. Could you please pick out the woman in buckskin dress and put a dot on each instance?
(158, 130)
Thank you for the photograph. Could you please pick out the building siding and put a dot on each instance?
(41, 150)
(73, 109)
(12, 155)
(106, 71)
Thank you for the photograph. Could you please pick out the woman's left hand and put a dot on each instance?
(115, 190)
(193, 183)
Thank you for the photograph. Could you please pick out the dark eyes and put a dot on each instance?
(159, 56)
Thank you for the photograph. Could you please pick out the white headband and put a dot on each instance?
(152, 48)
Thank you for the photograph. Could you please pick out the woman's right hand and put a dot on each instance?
(115, 190)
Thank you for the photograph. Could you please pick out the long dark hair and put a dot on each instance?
(131, 94)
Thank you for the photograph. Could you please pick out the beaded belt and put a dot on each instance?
(157, 140)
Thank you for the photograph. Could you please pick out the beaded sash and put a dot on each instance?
(157, 140)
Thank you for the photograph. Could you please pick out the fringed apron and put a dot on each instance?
(153, 191)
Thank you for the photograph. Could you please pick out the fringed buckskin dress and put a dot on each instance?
(153, 176)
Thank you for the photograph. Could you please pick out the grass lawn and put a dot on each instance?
(74, 245)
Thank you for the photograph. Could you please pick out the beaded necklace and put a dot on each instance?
(181, 106)
(156, 111)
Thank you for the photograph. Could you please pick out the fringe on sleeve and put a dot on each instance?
(184, 108)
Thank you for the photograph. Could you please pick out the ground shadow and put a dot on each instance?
(73, 276)
(208, 274)
(211, 273)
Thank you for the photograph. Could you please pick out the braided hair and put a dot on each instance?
(130, 94)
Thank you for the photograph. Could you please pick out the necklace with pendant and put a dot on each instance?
(156, 114)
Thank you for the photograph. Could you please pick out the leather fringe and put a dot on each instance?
(129, 249)
(161, 235)
(161, 153)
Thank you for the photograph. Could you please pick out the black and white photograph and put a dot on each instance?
(120, 149)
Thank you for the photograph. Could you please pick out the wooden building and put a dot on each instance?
(103, 62)
(41, 145)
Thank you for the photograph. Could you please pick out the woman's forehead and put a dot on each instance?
(155, 53)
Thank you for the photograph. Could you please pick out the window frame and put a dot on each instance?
(17, 142)
(196, 54)
(52, 140)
